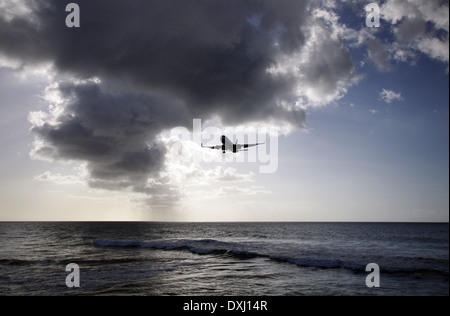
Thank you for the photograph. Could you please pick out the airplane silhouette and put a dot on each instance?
(227, 145)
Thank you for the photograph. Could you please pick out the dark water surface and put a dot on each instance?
(134, 258)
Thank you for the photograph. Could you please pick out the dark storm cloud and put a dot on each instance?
(114, 134)
(158, 65)
(206, 53)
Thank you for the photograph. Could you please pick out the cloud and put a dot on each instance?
(420, 26)
(234, 190)
(113, 133)
(322, 69)
(136, 69)
(417, 27)
(207, 55)
(434, 11)
(59, 178)
(388, 96)
(227, 174)
(378, 53)
(184, 174)
(230, 190)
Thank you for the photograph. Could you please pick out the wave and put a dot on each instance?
(235, 249)
(55, 261)
(17, 262)
(200, 247)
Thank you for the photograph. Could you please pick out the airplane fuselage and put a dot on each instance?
(227, 145)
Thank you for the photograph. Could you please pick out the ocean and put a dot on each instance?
(223, 259)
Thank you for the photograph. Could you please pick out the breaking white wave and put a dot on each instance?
(242, 251)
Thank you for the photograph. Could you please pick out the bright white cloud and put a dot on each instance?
(323, 69)
(227, 174)
(60, 178)
(389, 96)
(77, 175)
(434, 48)
(184, 172)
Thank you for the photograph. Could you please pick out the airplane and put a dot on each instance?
(227, 145)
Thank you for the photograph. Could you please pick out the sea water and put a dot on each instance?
(242, 259)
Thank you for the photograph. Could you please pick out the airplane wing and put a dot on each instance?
(218, 147)
(245, 146)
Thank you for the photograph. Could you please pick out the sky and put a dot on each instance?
(104, 121)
